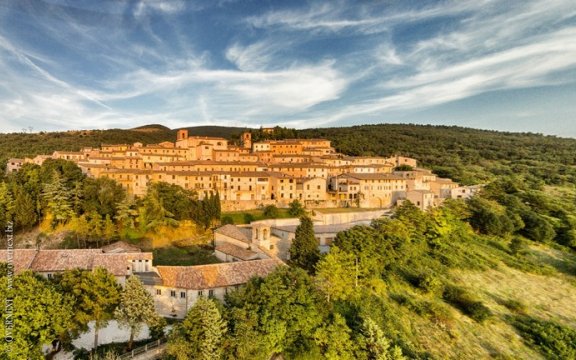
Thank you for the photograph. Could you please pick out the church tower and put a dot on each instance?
(247, 140)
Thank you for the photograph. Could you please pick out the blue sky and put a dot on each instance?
(492, 64)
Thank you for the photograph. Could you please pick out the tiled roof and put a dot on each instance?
(319, 229)
(60, 260)
(21, 258)
(235, 232)
(116, 264)
(215, 275)
(236, 251)
(372, 176)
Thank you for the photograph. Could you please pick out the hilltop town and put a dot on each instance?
(256, 174)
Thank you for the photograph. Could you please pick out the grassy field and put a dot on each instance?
(444, 332)
(245, 217)
(184, 256)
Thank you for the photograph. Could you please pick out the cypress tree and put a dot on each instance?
(304, 251)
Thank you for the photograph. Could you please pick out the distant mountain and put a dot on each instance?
(151, 128)
(227, 132)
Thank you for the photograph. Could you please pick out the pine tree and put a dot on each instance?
(108, 229)
(125, 215)
(24, 210)
(6, 204)
(56, 196)
(200, 335)
(136, 308)
(304, 250)
(374, 345)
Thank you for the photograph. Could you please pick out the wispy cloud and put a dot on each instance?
(319, 63)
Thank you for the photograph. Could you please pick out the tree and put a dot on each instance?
(201, 334)
(374, 345)
(37, 313)
(24, 210)
(102, 195)
(94, 297)
(6, 204)
(125, 216)
(108, 229)
(274, 315)
(336, 274)
(57, 199)
(304, 250)
(296, 209)
(153, 214)
(136, 308)
(334, 339)
(270, 211)
(403, 167)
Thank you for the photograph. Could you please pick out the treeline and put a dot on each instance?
(510, 207)
(56, 311)
(58, 195)
(20, 145)
(370, 297)
(364, 298)
(465, 155)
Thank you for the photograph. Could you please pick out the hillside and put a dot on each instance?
(492, 277)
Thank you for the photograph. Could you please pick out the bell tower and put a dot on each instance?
(182, 135)
(247, 140)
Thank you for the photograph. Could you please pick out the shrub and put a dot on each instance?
(248, 218)
(296, 209)
(517, 245)
(466, 303)
(515, 306)
(227, 220)
(430, 283)
(270, 211)
(552, 339)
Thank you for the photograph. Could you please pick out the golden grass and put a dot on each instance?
(549, 297)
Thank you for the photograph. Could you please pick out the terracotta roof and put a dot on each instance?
(208, 162)
(21, 258)
(236, 251)
(60, 260)
(320, 229)
(372, 176)
(120, 246)
(298, 165)
(235, 232)
(116, 264)
(215, 275)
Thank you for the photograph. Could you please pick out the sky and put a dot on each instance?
(492, 64)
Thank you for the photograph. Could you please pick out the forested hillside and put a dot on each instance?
(493, 277)
(466, 155)
(463, 154)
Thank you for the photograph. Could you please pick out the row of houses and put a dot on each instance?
(261, 173)
(174, 288)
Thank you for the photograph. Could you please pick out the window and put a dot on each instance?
(49, 276)
(158, 292)
(200, 293)
(210, 293)
(182, 295)
(173, 293)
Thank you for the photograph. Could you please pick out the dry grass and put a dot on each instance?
(504, 290)
(187, 233)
